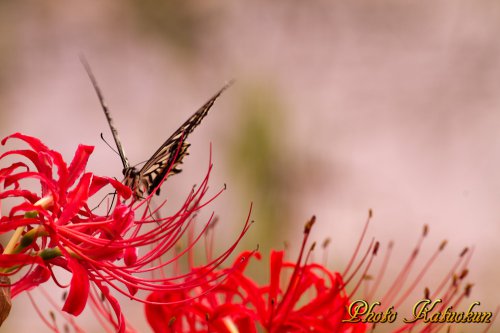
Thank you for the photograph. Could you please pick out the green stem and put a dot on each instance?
(9, 249)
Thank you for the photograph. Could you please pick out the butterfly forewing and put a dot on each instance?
(165, 161)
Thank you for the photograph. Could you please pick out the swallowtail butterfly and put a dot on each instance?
(166, 160)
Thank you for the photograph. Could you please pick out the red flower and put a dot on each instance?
(300, 297)
(56, 227)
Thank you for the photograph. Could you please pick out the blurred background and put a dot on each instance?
(338, 107)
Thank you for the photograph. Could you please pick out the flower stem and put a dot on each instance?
(13, 241)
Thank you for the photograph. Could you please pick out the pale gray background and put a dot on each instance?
(388, 105)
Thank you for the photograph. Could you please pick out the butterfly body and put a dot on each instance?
(150, 176)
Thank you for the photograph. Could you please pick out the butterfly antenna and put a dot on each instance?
(102, 200)
(106, 111)
(107, 144)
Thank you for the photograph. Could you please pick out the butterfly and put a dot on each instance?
(167, 158)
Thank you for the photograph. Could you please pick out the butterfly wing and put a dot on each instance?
(165, 161)
(100, 96)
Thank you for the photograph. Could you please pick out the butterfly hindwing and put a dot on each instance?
(166, 163)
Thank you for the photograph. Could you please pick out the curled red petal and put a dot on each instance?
(8, 224)
(45, 156)
(8, 170)
(40, 163)
(78, 164)
(76, 199)
(78, 290)
(36, 277)
(47, 184)
(99, 182)
(28, 195)
(123, 217)
(35, 143)
(130, 256)
(9, 260)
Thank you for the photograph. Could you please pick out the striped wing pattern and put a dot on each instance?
(166, 160)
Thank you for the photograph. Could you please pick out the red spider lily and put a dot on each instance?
(304, 297)
(56, 227)
(300, 297)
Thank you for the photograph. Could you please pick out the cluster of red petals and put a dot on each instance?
(299, 297)
(57, 228)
